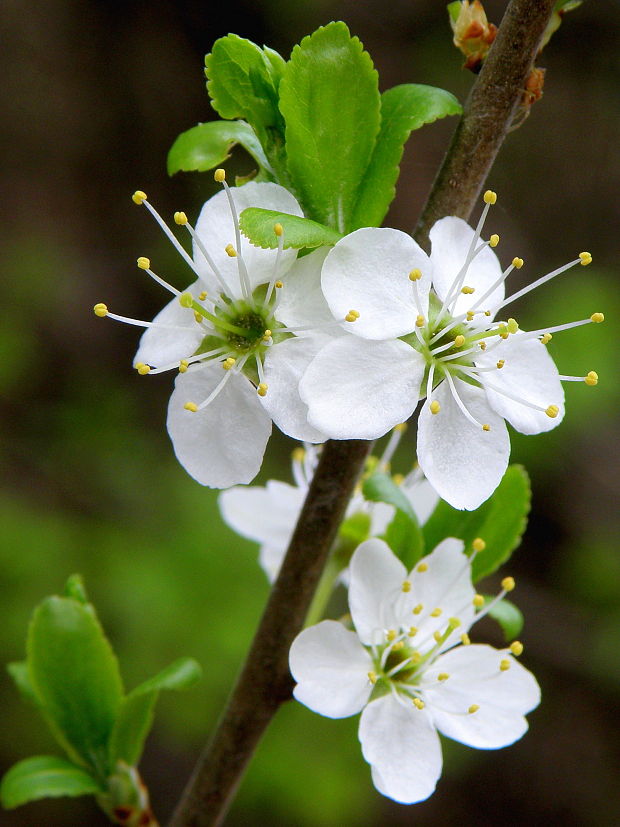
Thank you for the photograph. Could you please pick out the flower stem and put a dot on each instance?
(265, 682)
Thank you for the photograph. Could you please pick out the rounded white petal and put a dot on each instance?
(402, 746)
(266, 515)
(160, 346)
(300, 300)
(421, 495)
(463, 463)
(216, 230)
(223, 444)
(285, 364)
(376, 579)
(451, 238)
(503, 697)
(359, 389)
(331, 668)
(528, 373)
(368, 271)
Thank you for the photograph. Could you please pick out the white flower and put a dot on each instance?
(409, 341)
(410, 667)
(268, 514)
(233, 336)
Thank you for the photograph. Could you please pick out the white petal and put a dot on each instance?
(266, 515)
(271, 558)
(421, 495)
(368, 271)
(331, 668)
(159, 346)
(285, 364)
(529, 373)
(376, 579)
(359, 389)
(223, 444)
(463, 463)
(216, 230)
(402, 746)
(301, 301)
(450, 238)
(504, 697)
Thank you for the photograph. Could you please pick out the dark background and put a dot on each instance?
(93, 93)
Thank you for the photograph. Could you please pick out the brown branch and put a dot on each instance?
(264, 682)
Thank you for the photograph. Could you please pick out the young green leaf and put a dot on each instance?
(75, 589)
(208, 145)
(405, 538)
(44, 776)
(500, 522)
(381, 488)
(509, 617)
(403, 109)
(258, 225)
(135, 716)
(74, 673)
(21, 677)
(329, 97)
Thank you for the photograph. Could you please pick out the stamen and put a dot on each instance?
(244, 278)
(538, 283)
(279, 231)
(460, 402)
(393, 443)
(144, 264)
(218, 276)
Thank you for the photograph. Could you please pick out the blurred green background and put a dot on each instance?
(93, 94)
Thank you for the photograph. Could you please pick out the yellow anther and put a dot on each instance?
(459, 341)
(413, 630)
(465, 639)
(390, 635)
(592, 378)
(398, 479)
(191, 406)
(422, 567)
(586, 258)
(499, 365)
(298, 454)
(142, 369)
(278, 284)
(436, 612)
(180, 218)
(545, 338)
(100, 310)
(416, 657)
(220, 175)
(468, 290)
(186, 300)
(372, 677)
(487, 312)
(597, 318)
(267, 335)
(508, 584)
(454, 622)
(513, 325)
(352, 316)
(470, 315)
(516, 647)
(435, 407)
(406, 587)
(230, 251)
(401, 427)
(443, 676)
(478, 601)
(228, 363)
(415, 274)
(183, 366)
(494, 240)
(552, 411)
(262, 388)
(143, 263)
(418, 703)
(490, 197)
(198, 316)
(420, 321)
(486, 427)
(398, 646)
(473, 708)
(517, 262)
(437, 636)
(478, 544)
(278, 229)
(418, 609)
(138, 197)
(483, 345)
(504, 665)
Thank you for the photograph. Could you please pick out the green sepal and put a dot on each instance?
(74, 674)
(508, 616)
(208, 145)
(258, 225)
(329, 97)
(403, 109)
(18, 670)
(44, 776)
(404, 536)
(135, 715)
(500, 522)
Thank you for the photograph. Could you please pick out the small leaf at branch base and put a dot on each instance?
(509, 617)
(208, 145)
(258, 225)
(44, 776)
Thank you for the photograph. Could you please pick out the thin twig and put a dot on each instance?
(264, 682)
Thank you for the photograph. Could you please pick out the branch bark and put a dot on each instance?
(265, 682)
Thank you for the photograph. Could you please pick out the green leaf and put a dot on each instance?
(329, 97)
(257, 224)
(500, 522)
(135, 716)
(208, 145)
(75, 589)
(381, 488)
(405, 538)
(21, 676)
(509, 617)
(454, 9)
(44, 776)
(403, 109)
(75, 675)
